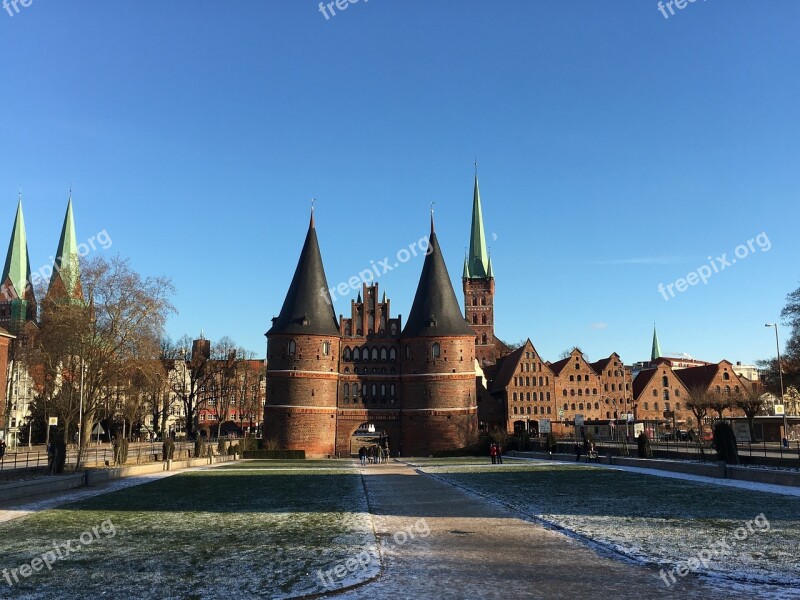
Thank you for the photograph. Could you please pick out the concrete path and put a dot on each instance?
(477, 549)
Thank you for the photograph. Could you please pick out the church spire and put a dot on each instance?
(17, 270)
(478, 259)
(307, 309)
(655, 353)
(66, 281)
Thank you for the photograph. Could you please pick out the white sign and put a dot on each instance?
(638, 429)
(544, 425)
(742, 431)
(53, 421)
(779, 409)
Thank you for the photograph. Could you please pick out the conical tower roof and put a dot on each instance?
(656, 351)
(435, 311)
(17, 270)
(308, 309)
(478, 260)
(66, 267)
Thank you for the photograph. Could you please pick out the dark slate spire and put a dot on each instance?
(308, 309)
(435, 312)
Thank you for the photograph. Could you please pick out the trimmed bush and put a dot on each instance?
(275, 454)
(725, 443)
(643, 446)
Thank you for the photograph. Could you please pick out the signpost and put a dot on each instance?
(544, 426)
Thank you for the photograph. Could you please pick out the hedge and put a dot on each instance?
(275, 454)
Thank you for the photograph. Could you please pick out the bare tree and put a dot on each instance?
(189, 372)
(751, 403)
(699, 402)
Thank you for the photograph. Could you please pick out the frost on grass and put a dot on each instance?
(653, 520)
(210, 534)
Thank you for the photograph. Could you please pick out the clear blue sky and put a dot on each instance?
(617, 149)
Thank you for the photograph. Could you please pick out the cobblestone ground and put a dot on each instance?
(477, 549)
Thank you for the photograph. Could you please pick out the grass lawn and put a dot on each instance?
(652, 519)
(255, 528)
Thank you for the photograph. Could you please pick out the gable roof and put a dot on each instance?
(641, 381)
(506, 367)
(697, 377)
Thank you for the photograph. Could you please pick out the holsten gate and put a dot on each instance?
(417, 382)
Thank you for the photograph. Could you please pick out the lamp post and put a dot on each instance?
(780, 378)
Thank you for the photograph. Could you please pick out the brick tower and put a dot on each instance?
(303, 361)
(439, 409)
(478, 281)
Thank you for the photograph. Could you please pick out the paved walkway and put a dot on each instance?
(477, 549)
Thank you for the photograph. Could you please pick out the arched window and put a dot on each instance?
(346, 354)
(374, 390)
(726, 376)
(594, 391)
(572, 392)
(514, 397)
(580, 406)
(356, 354)
(515, 410)
(355, 390)
(346, 390)
(375, 354)
(484, 339)
(548, 410)
(535, 410)
(572, 378)
(665, 395)
(527, 381)
(528, 396)
(665, 381)
(573, 406)
(483, 300)
(326, 348)
(677, 393)
(541, 380)
(566, 406)
(564, 392)
(436, 350)
(548, 396)
(597, 406)
(392, 354)
(646, 406)
(727, 390)
(718, 390)
(292, 347)
(383, 390)
(655, 393)
(483, 319)
(391, 390)
(655, 405)
(384, 354)
(613, 387)
(474, 301)
(394, 329)
(677, 406)
(474, 319)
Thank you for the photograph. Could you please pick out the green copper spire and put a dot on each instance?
(67, 267)
(466, 267)
(478, 256)
(17, 270)
(656, 352)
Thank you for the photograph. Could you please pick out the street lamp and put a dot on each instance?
(780, 378)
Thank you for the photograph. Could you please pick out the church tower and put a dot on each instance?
(439, 409)
(478, 281)
(17, 300)
(303, 360)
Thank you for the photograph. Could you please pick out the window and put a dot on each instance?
(357, 354)
(474, 319)
(726, 376)
(528, 396)
(483, 319)
(665, 381)
(355, 390)
(514, 397)
(483, 300)
(677, 406)
(665, 395)
(394, 329)
(384, 354)
(580, 406)
(292, 347)
(548, 398)
(677, 393)
(597, 406)
(374, 354)
(484, 339)
(346, 390)
(391, 390)
(383, 390)
(727, 390)
(541, 381)
(655, 405)
(566, 406)
(515, 410)
(326, 348)
(474, 301)
(436, 350)
(646, 406)
(572, 378)
(573, 406)
(392, 354)
(564, 393)
(655, 393)
(346, 353)
(527, 381)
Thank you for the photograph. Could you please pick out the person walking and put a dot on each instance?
(371, 454)
(578, 450)
(2, 449)
(499, 454)
(493, 453)
(362, 455)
